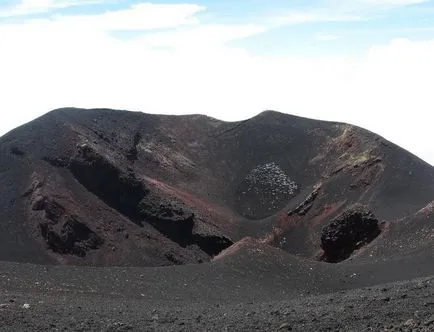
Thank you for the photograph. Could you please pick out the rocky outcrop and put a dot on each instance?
(132, 153)
(348, 232)
(124, 192)
(305, 206)
(70, 237)
(120, 190)
(180, 225)
(64, 233)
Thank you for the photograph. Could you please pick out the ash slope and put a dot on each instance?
(106, 187)
(268, 291)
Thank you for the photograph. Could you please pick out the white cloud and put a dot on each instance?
(312, 16)
(143, 16)
(50, 64)
(202, 36)
(31, 7)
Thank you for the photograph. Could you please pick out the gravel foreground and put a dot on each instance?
(403, 306)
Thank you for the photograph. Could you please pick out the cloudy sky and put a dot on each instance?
(366, 62)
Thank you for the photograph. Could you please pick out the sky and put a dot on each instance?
(364, 62)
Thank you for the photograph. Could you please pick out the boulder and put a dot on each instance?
(351, 230)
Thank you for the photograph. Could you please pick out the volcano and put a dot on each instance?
(289, 203)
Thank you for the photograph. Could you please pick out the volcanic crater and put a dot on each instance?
(182, 223)
(92, 185)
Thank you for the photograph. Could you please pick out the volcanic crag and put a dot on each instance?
(113, 188)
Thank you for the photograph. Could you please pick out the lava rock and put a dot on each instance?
(350, 231)
(72, 237)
